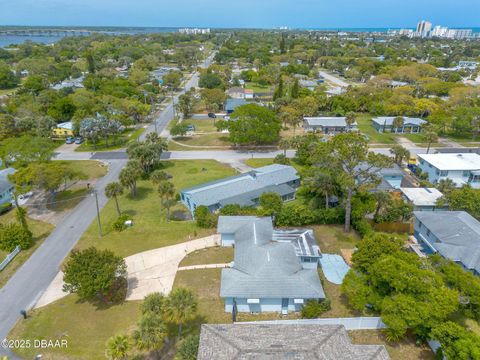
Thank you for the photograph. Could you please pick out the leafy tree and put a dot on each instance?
(291, 115)
(321, 183)
(26, 149)
(185, 104)
(180, 129)
(173, 79)
(279, 91)
(129, 176)
(456, 342)
(34, 84)
(213, 98)
(93, 273)
(117, 347)
(347, 154)
(147, 153)
(383, 198)
(254, 124)
(397, 123)
(7, 126)
(400, 154)
(295, 91)
(204, 218)
(8, 79)
(271, 203)
(99, 127)
(13, 235)
(151, 333)
(113, 190)
(350, 119)
(188, 348)
(158, 176)
(210, 80)
(314, 309)
(466, 198)
(180, 307)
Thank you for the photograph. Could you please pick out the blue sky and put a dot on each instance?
(240, 13)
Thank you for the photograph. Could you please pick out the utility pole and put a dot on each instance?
(98, 213)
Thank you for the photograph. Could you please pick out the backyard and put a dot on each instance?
(115, 142)
(151, 229)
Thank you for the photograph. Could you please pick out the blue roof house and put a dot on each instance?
(243, 189)
(266, 275)
(410, 125)
(231, 104)
(6, 187)
(453, 234)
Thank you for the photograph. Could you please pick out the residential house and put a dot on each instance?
(6, 187)
(249, 94)
(390, 178)
(303, 240)
(453, 234)
(327, 125)
(266, 275)
(231, 104)
(422, 199)
(64, 129)
(308, 84)
(410, 125)
(69, 83)
(282, 341)
(461, 168)
(243, 189)
(335, 91)
(236, 93)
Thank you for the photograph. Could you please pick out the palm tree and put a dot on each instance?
(382, 198)
(180, 307)
(446, 186)
(350, 119)
(117, 347)
(399, 153)
(113, 190)
(166, 191)
(284, 144)
(158, 176)
(323, 184)
(151, 333)
(130, 174)
(397, 123)
(430, 136)
(153, 303)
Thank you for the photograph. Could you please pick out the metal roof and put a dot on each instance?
(282, 342)
(458, 234)
(244, 187)
(232, 104)
(327, 121)
(422, 196)
(460, 161)
(264, 268)
(407, 121)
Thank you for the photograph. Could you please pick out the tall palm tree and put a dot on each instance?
(117, 347)
(166, 191)
(430, 136)
(398, 123)
(130, 174)
(284, 144)
(113, 190)
(399, 153)
(180, 307)
(158, 176)
(323, 184)
(151, 333)
(446, 186)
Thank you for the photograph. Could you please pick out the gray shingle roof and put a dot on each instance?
(327, 121)
(458, 233)
(5, 184)
(407, 121)
(245, 186)
(282, 342)
(232, 104)
(264, 268)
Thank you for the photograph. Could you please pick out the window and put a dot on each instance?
(428, 232)
(443, 173)
(466, 173)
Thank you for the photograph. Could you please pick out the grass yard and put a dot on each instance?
(91, 168)
(150, 229)
(406, 349)
(7, 91)
(83, 325)
(258, 88)
(40, 231)
(259, 162)
(331, 238)
(205, 140)
(214, 255)
(202, 125)
(117, 142)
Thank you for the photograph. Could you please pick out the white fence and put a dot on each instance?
(356, 323)
(9, 258)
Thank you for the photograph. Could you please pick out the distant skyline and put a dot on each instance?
(242, 13)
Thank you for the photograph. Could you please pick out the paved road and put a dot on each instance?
(333, 79)
(29, 282)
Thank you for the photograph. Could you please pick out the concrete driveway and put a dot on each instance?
(148, 271)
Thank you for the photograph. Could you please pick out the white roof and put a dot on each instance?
(454, 161)
(422, 196)
(65, 125)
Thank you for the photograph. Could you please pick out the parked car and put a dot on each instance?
(70, 140)
(190, 128)
(79, 140)
(212, 115)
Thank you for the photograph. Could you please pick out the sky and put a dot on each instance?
(241, 13)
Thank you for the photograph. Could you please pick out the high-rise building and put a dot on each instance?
(423, 28)
(439, 31)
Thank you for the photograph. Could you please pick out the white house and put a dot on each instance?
(461, 168)
(422, 199)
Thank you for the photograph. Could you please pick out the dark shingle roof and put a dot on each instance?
(282, 342)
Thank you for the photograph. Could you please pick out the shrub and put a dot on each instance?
(6, 207)
(13, 235)
(236, 210)
(281, 159)
(188, 348)
(313, 308)
(363, 227)
(119, 224)
(295, 215)
(204, 218)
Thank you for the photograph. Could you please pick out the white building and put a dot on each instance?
(423, 28)
(460, 168)
(422, 199)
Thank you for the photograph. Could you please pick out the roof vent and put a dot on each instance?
(459, 155)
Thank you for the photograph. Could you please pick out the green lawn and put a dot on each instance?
(206, 140)
(7, 91)
(331, 238)
(91, 168)
(259, 162)
(116, 142)
(150, 229)
(40, 231)
(85, 327)
(203, 125)
(214, 255)
(258, 88)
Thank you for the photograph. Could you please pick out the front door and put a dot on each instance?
(285, 306)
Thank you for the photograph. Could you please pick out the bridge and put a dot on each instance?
(45, 32)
